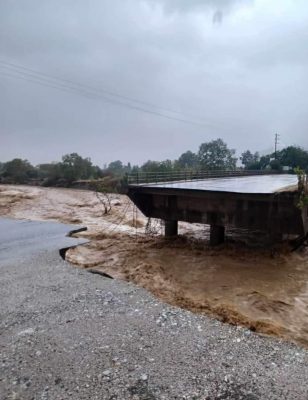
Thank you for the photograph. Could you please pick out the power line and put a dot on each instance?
(46, 84)
(63, 84)
(87, 94)
(92, 96)
(100, 90)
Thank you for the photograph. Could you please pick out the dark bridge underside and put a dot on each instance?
(273, 213)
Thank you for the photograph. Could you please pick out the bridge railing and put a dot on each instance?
(142, 178)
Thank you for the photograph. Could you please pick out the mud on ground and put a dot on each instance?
(262, 289)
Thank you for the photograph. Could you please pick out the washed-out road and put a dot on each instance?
(68, 334)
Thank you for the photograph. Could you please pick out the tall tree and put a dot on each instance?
(187, 160)
(51, 171)
(74, 167)
(216, 155)
(293, 156)
(249, 158)
(18, 170)
(116, 167)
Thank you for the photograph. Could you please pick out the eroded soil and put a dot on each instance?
(263, 289)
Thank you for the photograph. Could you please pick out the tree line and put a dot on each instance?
(213, 155)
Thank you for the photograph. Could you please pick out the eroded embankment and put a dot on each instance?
(264, 290)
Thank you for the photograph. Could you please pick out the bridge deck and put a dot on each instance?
(262, 184)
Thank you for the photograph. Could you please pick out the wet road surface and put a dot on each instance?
(21, 238)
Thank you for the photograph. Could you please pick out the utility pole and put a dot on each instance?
(276, 143)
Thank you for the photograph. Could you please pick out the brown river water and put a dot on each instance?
(264, 290)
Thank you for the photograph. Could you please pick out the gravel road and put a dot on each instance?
(69, 334)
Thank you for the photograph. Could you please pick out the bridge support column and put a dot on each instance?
(171, 228)
(217, 235)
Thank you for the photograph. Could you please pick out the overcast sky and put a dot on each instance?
(199, 70)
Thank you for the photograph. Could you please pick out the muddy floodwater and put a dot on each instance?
(263, 289)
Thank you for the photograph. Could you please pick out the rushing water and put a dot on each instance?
(266, 291)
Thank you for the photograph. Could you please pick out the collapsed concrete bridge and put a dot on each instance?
(255, 201)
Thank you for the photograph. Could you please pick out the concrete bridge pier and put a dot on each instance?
(171, 228)
(217, 235)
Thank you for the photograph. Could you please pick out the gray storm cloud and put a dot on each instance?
(167, 76)
(199, 5)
